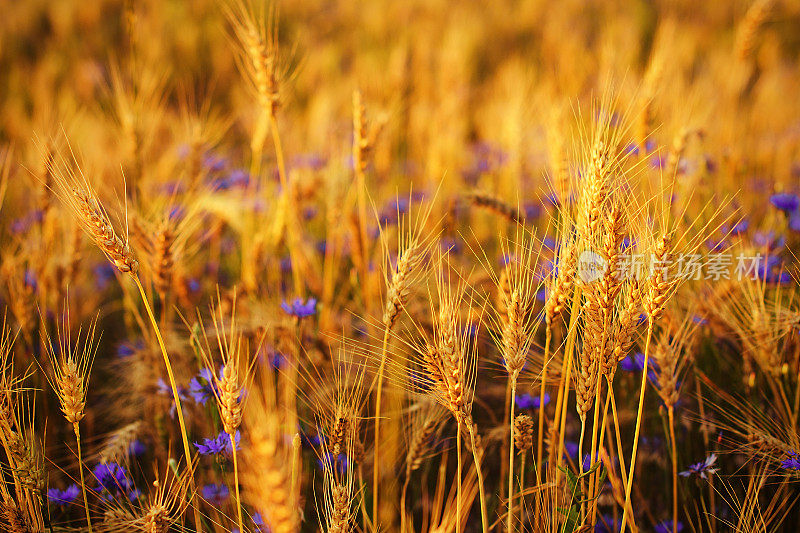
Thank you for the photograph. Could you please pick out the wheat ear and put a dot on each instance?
(70, 381)
(659, 289)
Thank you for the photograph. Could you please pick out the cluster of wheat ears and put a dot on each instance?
(399, 266)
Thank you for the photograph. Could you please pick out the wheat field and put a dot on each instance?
(362, 266)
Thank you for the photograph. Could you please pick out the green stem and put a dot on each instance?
(522, 491)
(403, 505)
(484, 518)
(638, 424)
(458, 474)
(80, 467)
(236, 481)
(378, 395)
(287, 193)
(511, 453)
(540, 436)
(671, 416)
(175, 394)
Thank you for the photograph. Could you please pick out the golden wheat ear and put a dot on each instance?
(76, 192)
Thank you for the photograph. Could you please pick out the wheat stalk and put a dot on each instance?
(72, 366)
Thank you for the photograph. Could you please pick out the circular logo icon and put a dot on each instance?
(591, 266)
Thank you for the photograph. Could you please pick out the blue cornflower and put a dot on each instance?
(505, 259)
(112, 477)
(176, 212)
(311, 161)
(606, 524)
(215, 493)
(333, 462)
(793, 462)
(165, 389)
(30, 279)
(627, 242)
(541, 295)
(217, 445)
(137, 448)
(258, 521)
(393, 209)
(300, 309)
(128, 348)
(202, 386)
(786, 202)
(666, 527)
(571, 448)
(524, 401)
(717, 246)
(738, 228)
(551, 199)
(532, 210)
(658, 161)
(63, 497)
(794, 221)
(214, 163)
(420, 380)
(272, 357)
(103, 274)
(633, 363)
(702, 469)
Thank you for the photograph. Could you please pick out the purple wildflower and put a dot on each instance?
(633, 362)
(524, 401)
(717, 246)
(112, 478)
(103, 274)
(261, 527)
(300, 309)
(570, 448)
(126, 349)
(217, 445)
(332, 462)
(137, 448)
(165, 390)
(702, 469)
(215, 493)
(738, 228)
(63, 497)
(606, 524)
(202, 386)
(658, 161)
(214, 163)
(666, 527)
(532, 210)
(793, 462)
(30, 280)
(786, 202)
(541, 295)
(794, 221)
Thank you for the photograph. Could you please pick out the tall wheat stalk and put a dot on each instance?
(72, 366)
(659, 289)
(399, 279)
(75, 190)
